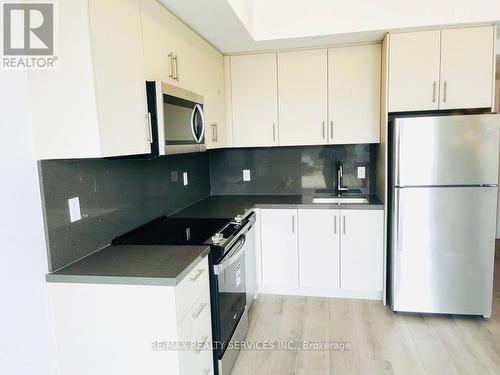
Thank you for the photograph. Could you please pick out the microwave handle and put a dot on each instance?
(198, 108)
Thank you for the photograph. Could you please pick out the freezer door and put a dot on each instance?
(446, 150)
(443, 245)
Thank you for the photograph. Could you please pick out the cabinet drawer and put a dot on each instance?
(196, 328)
(191, 288)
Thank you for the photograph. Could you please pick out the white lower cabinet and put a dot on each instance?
(279, 248)
(361, 250)
(334, 253)
(319, 246)
(106, 329)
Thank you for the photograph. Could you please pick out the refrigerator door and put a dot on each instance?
(443, 242)
(446, 150)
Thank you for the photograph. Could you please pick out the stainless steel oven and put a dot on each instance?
(176, 119)
(229, 296)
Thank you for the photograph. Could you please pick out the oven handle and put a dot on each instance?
(232, 257)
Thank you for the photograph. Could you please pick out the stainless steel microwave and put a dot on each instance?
(176, 119)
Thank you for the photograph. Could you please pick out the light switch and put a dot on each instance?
(185, 178)
(246, 174)
(361, 172)
(75, 213)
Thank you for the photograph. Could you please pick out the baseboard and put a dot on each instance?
(318, 292)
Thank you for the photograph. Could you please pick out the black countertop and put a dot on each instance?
(133, 264)
(167, 265)
(228, 206)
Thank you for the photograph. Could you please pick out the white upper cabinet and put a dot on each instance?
(94, 104)
(467, 68)
(361, 254)
(319, 245)
(441, 69)
(175, 54)
(254, 91)
(354, 94)
(280, 259)
(414, 71)
(302, 92)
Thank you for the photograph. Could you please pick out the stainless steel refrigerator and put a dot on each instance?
(444, 175)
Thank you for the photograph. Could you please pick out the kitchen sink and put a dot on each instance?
(340, 200)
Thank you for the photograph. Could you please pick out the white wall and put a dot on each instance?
(281, 19)
(27, 344)
(497, 110)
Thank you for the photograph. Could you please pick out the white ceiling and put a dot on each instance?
(234, 26)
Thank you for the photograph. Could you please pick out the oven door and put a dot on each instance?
(229, 294)
(178, 120)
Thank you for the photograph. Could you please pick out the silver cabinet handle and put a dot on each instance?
(216, 133)
(434, 92)
(171, 63)
(331, 129)
(323, 123)
(343, 218)
(293, 223)
(150, 131)
(199, 311)
(176, 76)
(335, 224)
(445, 91)
(198, 274)
(202, 343)
(213, 132)
(274, 131)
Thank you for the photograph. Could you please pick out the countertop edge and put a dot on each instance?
(127, 280)
(324, 206)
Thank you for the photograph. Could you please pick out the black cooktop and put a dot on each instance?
(165, 231)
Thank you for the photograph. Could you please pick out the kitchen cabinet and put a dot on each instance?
(325, 252)
(125, 329)
(175, 54)
(429, 70)
(254, 100)
(467, 79)
(354, 75)
(279, 247)
(319, 247)
(414, 71)
(361, 249)
(94, 104)
(302, 91)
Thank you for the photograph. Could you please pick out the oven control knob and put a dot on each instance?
(239, 218)
(217, 238)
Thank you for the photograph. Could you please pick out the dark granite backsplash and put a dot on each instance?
(116, 195)
(291, 170)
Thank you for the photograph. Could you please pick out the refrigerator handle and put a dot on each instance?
(397, 222)
(397, 151)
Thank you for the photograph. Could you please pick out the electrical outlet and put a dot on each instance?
(174, 176)
(75, 213)
(185, 178)
(246, 174)
(361, 172)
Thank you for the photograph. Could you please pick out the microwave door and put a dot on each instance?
(198, 123)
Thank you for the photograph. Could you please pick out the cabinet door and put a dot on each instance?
(279, 248)
(302, 90)
(354, 94)
(467, 71)
(414, 71)
(319, 242)
(119, 74)
(167, 41)
(254, 100)
(361, 250)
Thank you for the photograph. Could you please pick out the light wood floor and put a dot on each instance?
(381, 342)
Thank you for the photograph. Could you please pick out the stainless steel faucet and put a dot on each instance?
(340, 176)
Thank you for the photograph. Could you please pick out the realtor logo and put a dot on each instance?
(28, 36)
